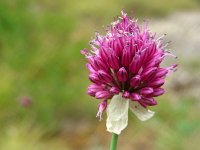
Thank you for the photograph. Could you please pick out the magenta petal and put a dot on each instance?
(158, 92)
(147, 74)
(118, 47)
(148, 101)
(93, 63)
(126, 57)
(135, 64)
(126, 95)
(143, 56)
(101, 64)
(114, 90)
(132, 46)
(93, 88)
(122, 75)
(156, 83)
(135, 97)
(104, 76)
(90, 68)
(91, 92)
(113, 61)
(153, 49)
(102, 95)
(103, 53)
(146, 91)
(161, 72)
(135, 81)
(94, 78)
(102, 107)
(149, 64)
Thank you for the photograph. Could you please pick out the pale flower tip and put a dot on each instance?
(99, 116)
(85, 52)
(102, 107)
(123, 14)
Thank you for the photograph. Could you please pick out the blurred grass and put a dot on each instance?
(40, 43)
(23, 137)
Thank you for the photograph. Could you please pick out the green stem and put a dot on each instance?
(113, 145)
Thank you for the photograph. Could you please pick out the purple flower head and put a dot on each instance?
(127, 60)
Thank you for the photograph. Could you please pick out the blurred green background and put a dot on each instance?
(43, 100)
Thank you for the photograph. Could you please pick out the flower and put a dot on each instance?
(125, 66)
(25, 101)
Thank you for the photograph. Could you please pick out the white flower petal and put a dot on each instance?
(142, 113)
(117, 114)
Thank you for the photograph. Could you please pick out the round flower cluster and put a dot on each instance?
(127, 60)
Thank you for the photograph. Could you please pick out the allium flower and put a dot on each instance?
(125, 67)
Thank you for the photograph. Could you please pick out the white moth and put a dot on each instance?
(117, 113)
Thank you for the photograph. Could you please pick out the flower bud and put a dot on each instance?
(135, 64)
(148, 73)
(92, 63)
(149, 64)
(90, 68)
(156, 83)
(146, 91)
(122, 75)
(161, 72)
(118, 46)
(94, 78)
(126, 94)
(158, 92)
(135, 81)
(133, 46)
(114, 90)
(102, 95)
(113, 61)
(148, 101)
(153, 48)
(103, 53)
(126, 57)
(104, 76)
(143, 56)
(100, 64)
(93, 88)
(91, 92)
(135, 97)
(102, 107)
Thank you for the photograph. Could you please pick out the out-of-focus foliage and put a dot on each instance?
(25, 137)
(40, 43)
